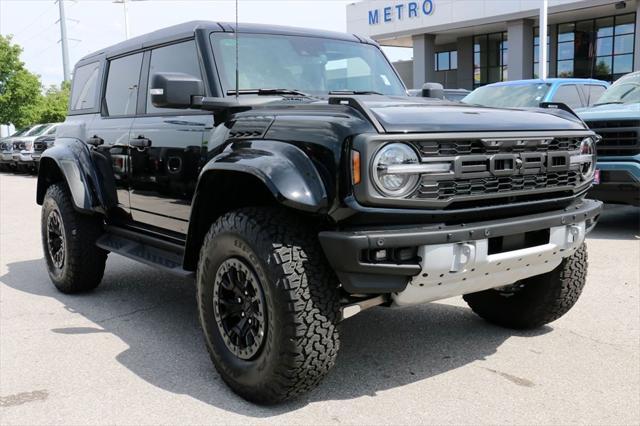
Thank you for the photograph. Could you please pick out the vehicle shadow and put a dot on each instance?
(155, 315)
(617, 222)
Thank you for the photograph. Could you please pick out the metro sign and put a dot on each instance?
(398, 12)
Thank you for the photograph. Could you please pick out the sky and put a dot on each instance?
(94, 24)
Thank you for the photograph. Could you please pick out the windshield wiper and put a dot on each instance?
(354, 92)
(268, 92)
(608, 103)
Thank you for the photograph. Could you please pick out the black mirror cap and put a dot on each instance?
(433, 90)
(174, 89)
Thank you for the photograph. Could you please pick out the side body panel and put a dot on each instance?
(164, 175)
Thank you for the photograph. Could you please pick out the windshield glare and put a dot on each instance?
(38, 130)
(511, 96)
(624, 91)
(311, 65)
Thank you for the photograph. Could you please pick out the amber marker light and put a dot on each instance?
(355, 167)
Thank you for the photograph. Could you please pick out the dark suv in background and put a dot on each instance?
(302, 185)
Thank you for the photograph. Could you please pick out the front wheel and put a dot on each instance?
(75, 264)
(535, 301)
(268, 304)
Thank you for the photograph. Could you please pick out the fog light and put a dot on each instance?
(380, 255)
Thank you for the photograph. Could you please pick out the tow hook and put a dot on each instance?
(351, 309)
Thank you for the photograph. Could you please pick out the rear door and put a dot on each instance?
(113, 124)
(164, 172)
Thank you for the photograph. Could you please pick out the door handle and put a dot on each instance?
(140, 142)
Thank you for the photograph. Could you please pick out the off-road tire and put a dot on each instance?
(537, 300)
(84, 262)
(301, 297)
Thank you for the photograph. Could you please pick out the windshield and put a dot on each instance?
(311, 65)
(20, 132)
(509, 96)
(624, 91)
(37, 130)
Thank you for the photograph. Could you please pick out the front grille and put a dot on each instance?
(496, 169)
(468, 147)
(619, 137)
(447, 189)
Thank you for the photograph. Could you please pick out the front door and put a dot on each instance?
(164, 173)
(167, 146)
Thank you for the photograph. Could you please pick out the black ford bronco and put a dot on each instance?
(288, 171)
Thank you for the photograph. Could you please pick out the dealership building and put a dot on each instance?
(469, 43)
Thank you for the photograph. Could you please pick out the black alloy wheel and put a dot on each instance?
(55, 239)
(239, 308)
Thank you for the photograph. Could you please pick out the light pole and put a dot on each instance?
(125, 9)
(64, 42)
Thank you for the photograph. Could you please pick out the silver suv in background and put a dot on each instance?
(23, 147)
(6, 146)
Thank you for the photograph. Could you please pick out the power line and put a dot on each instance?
(28, 26)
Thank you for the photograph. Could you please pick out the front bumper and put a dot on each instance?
(619, 181)
(344, 249)
(6, 157)
(23, 157)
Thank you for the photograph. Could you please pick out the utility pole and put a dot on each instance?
(542, 64)
(125, 9)
(64, 42)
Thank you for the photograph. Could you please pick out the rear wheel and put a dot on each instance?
(535, 301)
(268, 304)
(75, 264)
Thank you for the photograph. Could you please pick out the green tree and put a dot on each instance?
(20, 90)
(54, 103)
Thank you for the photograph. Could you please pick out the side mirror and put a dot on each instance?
(175, 90)
(433, 90)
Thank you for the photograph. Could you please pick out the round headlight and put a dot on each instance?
(398, 183)
(588, 153)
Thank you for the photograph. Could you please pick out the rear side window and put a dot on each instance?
(568, 94)
(85, 84)
(121, 94)
(181, 57)
(593, 92)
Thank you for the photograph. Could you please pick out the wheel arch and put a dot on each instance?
(251, 174)
(69, 161)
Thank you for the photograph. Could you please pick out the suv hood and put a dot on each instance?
(610, 111)
(413, 115)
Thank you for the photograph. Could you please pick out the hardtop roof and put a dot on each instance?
(188, 29)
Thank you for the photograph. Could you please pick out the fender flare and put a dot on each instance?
(286, 171)
(71, 159)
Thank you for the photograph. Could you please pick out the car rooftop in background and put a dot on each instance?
(573, 92)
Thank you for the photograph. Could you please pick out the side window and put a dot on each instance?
(181, 57)
(85, 84)
(593, 92)
(569, 95)
(121, 94)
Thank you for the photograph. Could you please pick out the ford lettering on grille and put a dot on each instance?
(509, 164)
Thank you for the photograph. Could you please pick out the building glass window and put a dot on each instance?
(600, 48)
(445, 61)
(490, 58)
(536, 51)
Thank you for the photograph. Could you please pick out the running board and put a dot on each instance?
(144, 252)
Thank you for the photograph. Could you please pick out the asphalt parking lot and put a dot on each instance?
(132, 353)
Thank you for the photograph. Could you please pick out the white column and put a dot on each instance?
(636, 51)
(542, 71)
